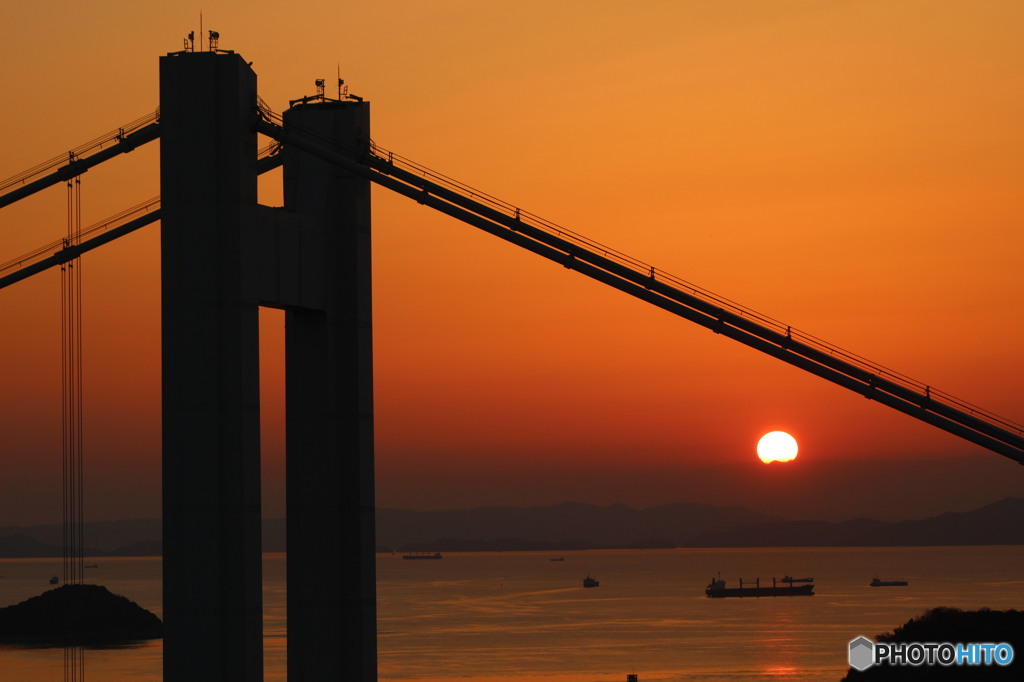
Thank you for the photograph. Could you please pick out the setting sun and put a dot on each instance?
(776, 446)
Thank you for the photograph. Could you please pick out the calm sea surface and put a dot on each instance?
(519, 616)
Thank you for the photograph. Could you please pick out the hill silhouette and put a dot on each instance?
(999, 523)
(77, 614)
(576, 525)
(944, 624)
(570, 525)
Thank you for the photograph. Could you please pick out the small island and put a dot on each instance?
(77, 614)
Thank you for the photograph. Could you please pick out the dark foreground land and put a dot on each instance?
(953, 625)
(77, 614)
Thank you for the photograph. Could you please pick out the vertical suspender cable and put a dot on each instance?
(64, 431)
(78, 488)
(71, 413)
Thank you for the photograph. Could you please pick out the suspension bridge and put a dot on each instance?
(223, 256)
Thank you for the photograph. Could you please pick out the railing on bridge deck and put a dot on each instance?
(75, 162)
(111, 228)
(541, 236)
(665, 290)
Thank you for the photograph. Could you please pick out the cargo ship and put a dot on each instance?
(423, 555)
(717, 589)
(888, 583)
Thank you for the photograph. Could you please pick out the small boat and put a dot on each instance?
(54, 580)
(557, 558)
(888, 583)
(717, 589)
(590, 582)
(791, 580)
(422, 555)
(92, 566)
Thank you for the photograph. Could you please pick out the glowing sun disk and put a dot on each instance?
(777, 446)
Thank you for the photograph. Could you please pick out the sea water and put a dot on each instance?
(484, 617)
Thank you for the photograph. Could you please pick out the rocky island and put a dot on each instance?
(77, 614)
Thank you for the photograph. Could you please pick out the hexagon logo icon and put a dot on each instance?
(862, 653)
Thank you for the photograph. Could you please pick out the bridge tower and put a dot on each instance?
(223, 256)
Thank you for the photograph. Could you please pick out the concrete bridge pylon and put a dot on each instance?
(223, 256)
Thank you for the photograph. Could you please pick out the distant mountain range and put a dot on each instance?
(999, 523)
(570, 525)
(135, 537)
(582, 526)
(574, 525)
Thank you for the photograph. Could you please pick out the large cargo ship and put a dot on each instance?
(718, 589)
(423, 555)
(888, 583)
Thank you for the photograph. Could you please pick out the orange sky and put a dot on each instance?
(851, 168)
